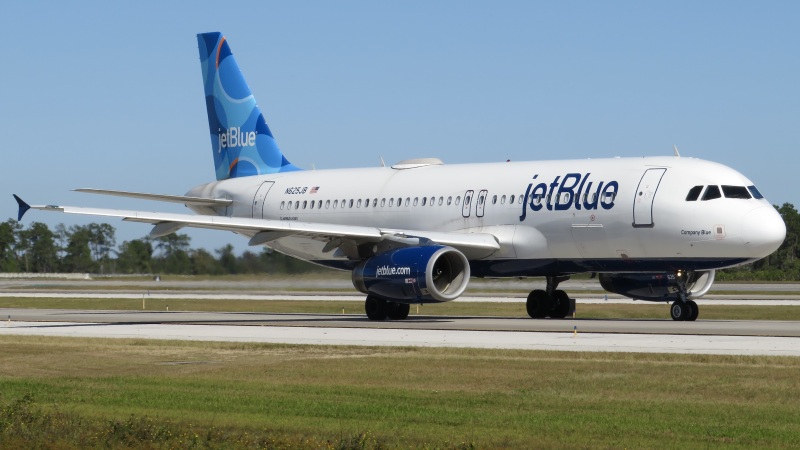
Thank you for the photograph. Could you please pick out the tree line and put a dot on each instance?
(92, 249)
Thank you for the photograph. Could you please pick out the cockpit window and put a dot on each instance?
(694, 193)
(711, 193)
(735, 192)
(755, 192)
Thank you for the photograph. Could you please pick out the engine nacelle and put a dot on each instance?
(657, 287)
(431, 273)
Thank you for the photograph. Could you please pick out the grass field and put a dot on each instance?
(80, 393)
(642, 310)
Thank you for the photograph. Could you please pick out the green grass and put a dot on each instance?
(71, 393)
(641, 310)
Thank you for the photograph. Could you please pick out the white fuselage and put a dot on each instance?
(550, 217)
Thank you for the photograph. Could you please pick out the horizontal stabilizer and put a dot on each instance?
(198, 201)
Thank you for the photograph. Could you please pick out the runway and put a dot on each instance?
(649, 336)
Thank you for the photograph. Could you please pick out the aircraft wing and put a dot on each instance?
(264, 230)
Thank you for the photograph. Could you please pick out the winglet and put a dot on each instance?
(23, 207)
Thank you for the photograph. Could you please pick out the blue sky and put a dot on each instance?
(106, 95)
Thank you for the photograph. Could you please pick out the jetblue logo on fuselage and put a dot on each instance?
(573, 190)
(234, 137)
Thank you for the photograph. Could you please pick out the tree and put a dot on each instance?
(203, 263)
(78, 257)
(227, 259)
(8, 243)
(37, 243)
(135, 256)
(174, 253)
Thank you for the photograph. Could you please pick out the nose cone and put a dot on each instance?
(763, 231)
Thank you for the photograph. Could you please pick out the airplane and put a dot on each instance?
(651, 228)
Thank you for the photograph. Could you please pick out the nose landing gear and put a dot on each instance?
(683, 309)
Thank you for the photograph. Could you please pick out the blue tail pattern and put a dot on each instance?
(242, 142)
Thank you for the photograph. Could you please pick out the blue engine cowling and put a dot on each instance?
(431, 273)
(657, 287)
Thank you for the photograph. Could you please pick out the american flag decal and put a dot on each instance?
(314, 189)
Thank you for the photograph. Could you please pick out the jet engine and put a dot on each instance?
(431, 273)
(657, 287)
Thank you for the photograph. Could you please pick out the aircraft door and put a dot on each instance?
(645, 194)
(466, 208)
(481, 203)
(260, 198)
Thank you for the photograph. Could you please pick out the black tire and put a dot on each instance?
(376, 308)
(538, 304)
(398, 311)
(695, 311)
(561, 308)
(678, 310)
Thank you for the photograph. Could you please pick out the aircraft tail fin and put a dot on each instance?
(242, 142)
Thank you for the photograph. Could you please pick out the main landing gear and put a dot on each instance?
(683, 309)
(380, 309)
(550, 302)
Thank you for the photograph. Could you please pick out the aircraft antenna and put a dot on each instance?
(677, 153)
(383, 164)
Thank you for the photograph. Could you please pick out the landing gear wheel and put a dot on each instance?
(680, 310)
(694, 311)
(538, 304)
(561, 308)
(398, 311)
(376, 308)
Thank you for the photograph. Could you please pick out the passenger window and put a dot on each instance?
(319, 204)
(458, 200)
(351, 202)
(383, 202)
(327, 204)
(756, 194)
(424, 201)
(736, 192)
(358, 205)
(391, 201)
(408, 201)
(399, 201)
(433, 200)
(289, 205)
(312, 205)
(374, 202)
(297, 205)
(503, 200)
(694, 193)
(511, 200)
(441, 199)
(711, 193)
(449, 200)
(519, 199)
(335, 204)
(283, 204)
(494, 200)
(416, 201)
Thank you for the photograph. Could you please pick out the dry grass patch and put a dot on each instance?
(412, 397)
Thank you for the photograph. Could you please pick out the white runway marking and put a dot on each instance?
(772, 300)
(721, 345)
